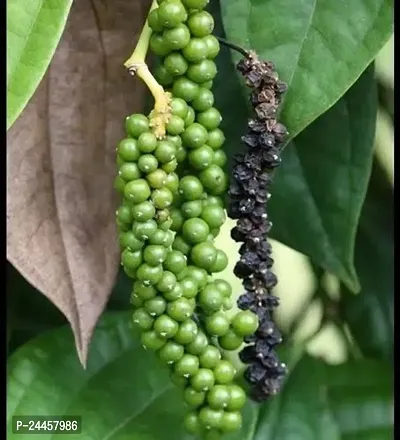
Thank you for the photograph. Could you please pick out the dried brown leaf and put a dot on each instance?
(61, 205)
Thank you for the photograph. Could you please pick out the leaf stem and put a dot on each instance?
(137, 66)
(239, 49)
(142, 46)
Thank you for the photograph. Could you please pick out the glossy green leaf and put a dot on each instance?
(119, 396)
(348, 402)
(320, 47)
(34, 28)
(370, 315)
(124, 391)
(320, 187)
(324, 173)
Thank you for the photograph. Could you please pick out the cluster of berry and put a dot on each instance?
(249, 194)
(171, 212)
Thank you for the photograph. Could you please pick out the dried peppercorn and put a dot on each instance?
(249, 194)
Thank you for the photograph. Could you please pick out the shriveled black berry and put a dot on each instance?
(249, 194)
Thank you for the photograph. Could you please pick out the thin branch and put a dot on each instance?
(239, 49)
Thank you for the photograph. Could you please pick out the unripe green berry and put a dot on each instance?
(224, 372)
(157, 179)
(144, 292)
(171, 352)
(163, 76)
(198, 344)
(195, 230)
(224, 287)
(154, 254)
(147, 163)
(190, 117)
(214, 180)
(149, 275)
(213, 46)
(171, 14)
(178, 108)
(180, 310)
(177, 38)
(190, 188)
(210, 119)
(231, 421)
(130, 171)
(204, 100)
(158, 45)
(245, 323)
(221, 262)
(167, 282)
(165, 326)
(210, 298)
(189, 288)
(162, 198)
(137, 191)
(152, 340)
(175, 261)
(181, 245)
(217, 324)
(203, 380)
(194, 136)
(201, 158)
(187, 332)
(185, 88)
(154, 22)
(237, 398)
(170, 166)
(200, 24)
(129, 241)
(187, 366)
(216, 139)
(193, 397)
(197, 274)
(219, 396)
(195, 50)
(131, 260)
(147, 142)
(124, 215)
(191, 423)
(175, 126)
(155, 306)
(135, 125)
(204, 255)
(142, 319)
(144, 230)
(230, 341)
(210, 418)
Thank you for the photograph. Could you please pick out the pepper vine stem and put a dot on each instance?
(136, 65)
(239, 49)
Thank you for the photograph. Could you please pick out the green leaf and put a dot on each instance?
(320, 47)
(34, 28)
(346, 402)
(323, 180)
(124, 393)
(370, 314)
(120, 395)
(360, 396)
(324, 173)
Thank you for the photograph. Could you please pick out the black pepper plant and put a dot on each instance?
(173, 186)
(201, 164)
